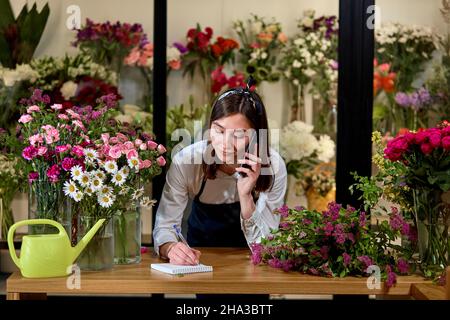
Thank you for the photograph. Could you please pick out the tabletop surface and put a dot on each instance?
(233, 273)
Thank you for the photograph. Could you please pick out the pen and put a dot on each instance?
(180, 235)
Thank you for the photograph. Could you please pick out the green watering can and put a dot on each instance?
(47, 255)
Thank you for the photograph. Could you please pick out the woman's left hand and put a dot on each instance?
(246, 184)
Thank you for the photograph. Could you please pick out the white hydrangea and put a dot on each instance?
(297, 141)
(68, 89)
(325, 148)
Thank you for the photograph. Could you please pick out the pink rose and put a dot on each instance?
(114, 140)
(143, 147)
(129, 145)
(146, 164)
(138, 142)
(161, 149)
(426, 148)
(446, 143)
(132, 154)
(33, 109)
(57, 106)
(115, 152)
(63, 117)
(105, 138)
(132, 57)
(161, 161)
(25, 118)
(435, 139)
(122, 138)
(152, 145)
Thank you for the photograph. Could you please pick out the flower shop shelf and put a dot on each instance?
(233, 273)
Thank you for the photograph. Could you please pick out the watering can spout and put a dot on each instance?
(83, 242)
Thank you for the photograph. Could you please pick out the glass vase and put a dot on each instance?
(46, 200)
(99, 252)
(298, 106)
(127, 236)
(432, 214)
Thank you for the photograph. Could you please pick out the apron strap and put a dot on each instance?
(197, 197)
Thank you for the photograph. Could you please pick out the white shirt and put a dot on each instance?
(183, 182)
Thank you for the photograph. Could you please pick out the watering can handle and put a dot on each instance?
(13, 228)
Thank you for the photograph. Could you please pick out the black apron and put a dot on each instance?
(218, 225)
(215, 225)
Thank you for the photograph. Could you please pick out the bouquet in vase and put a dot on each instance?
(261, 41)
(52, 136)
(311, 58)
(108, 184)
(109, 43)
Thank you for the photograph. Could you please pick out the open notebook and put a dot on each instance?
(179, 269)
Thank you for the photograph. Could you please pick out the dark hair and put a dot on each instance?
(249, 104)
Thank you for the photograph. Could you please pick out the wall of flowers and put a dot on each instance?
(76, 120)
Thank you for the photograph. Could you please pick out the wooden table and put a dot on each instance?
(233, 273)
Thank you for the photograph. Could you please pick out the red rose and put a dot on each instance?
(446, 143)
(426, 148)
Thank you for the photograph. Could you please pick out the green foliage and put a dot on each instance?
(20, 36)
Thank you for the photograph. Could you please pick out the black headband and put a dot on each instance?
(246, 92)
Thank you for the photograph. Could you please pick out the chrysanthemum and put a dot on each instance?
(125, 171)
(99, 174)
(84, 179)
(133, 163)
(78, 196)
(96, 183)
(76, 172)
(105, 190)
(110, 166)
(105, 200)
(118, 178)
(89, 191)
(124, 190)
(70, 189)
(138, 193)
(90, 154)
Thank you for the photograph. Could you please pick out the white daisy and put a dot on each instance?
(138, 193)
(105, 200)
(110, 166)
(105, 190)
(70, 189)
(134, 163)
(124, 190)
(90, 154)
(96, 183)
(89, 191)
(84, 179)
(76, 172)
(125, 170)
(147, 202)
(78, 196)
(118, 179)
(99, 174)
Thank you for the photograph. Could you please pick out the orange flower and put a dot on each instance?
(382, 78)
(265, 36)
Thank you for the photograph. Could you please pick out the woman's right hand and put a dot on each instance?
(181, 254)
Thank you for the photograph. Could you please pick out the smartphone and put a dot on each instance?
(247, 148)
